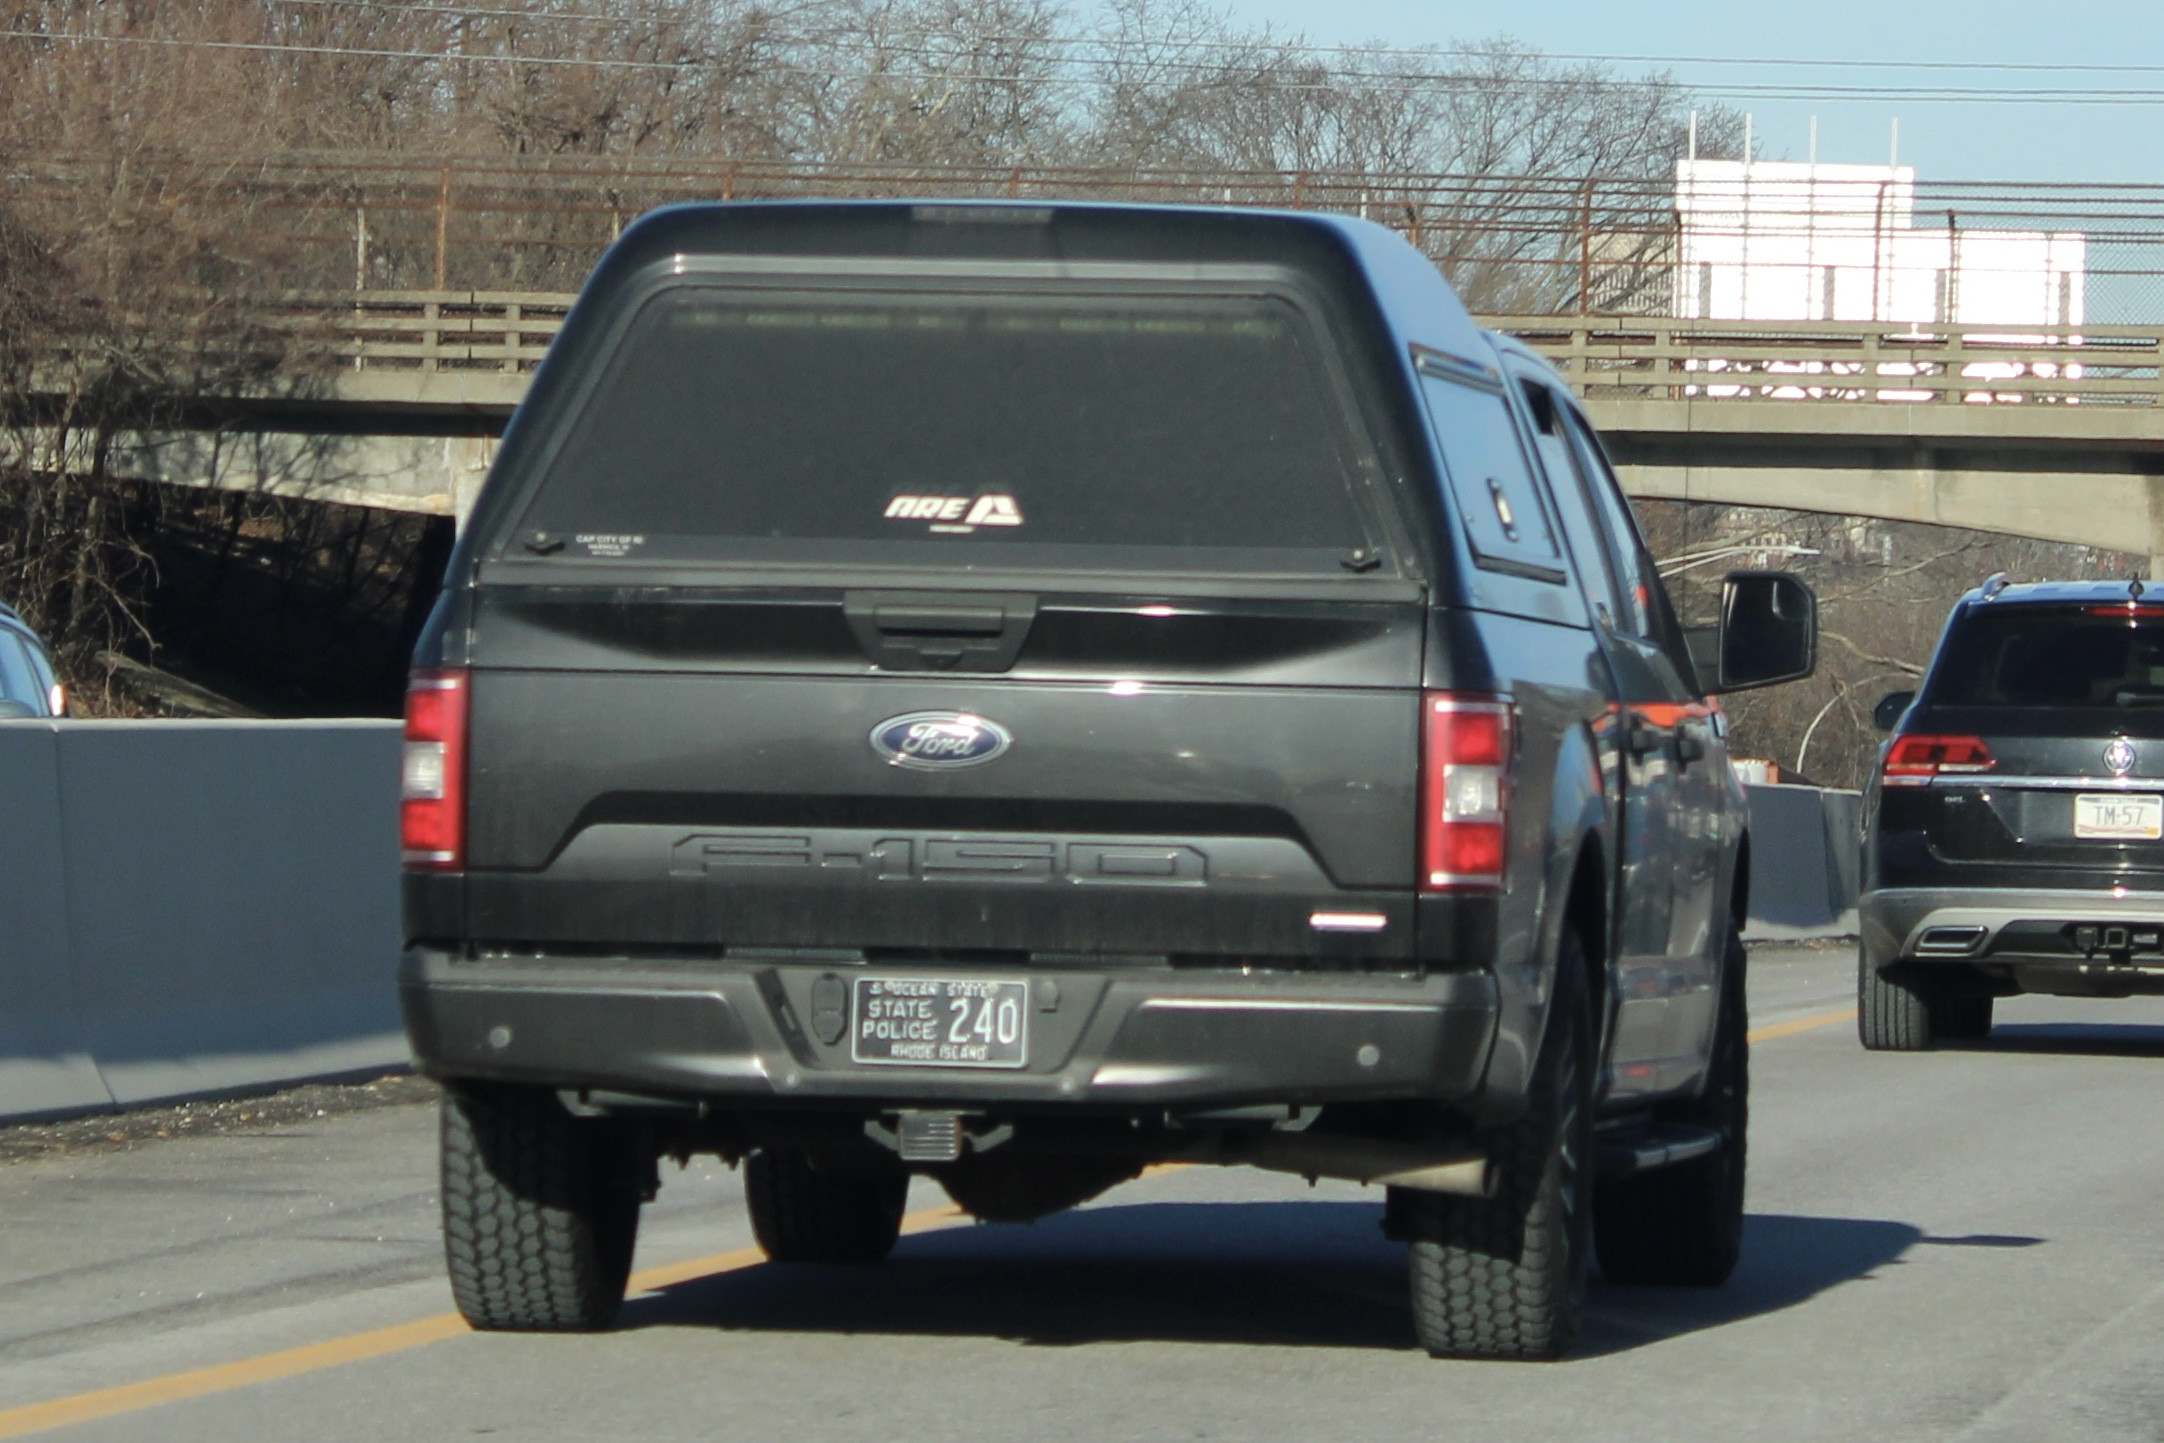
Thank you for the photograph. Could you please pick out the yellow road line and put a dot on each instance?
(291, 1362)
(1796, 1025)
(266, 1368)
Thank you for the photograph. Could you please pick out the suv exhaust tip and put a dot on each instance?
(1949, 941)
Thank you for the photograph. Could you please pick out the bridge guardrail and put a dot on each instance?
(1844, 361)
(433, 331)
(1882, 362)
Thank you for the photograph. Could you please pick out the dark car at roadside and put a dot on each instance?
(1016, 694)
(2014, 830)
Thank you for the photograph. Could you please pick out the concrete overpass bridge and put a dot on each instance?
(2057, 435)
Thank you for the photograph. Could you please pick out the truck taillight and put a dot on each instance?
(432, 818)
(1464, 791)
(1913, 761)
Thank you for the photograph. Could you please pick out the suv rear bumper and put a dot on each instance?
(1896, 921)
(1143, 1038)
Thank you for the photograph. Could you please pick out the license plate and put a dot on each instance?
(2119, 816)
(940, 1022)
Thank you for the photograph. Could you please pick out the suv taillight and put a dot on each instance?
(1464, 791)
(1913, 761)
(432, 819)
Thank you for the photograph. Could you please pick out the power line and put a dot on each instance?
(1237, 42)
(1400, 82)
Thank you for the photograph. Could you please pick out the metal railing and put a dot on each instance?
(432, 331)
(1850, 361)
(1603, 356)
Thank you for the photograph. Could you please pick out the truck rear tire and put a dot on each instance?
(1504, 1277)
(802, 1215)
(1682, 1226)
(1911, 1011)
(540, 1210)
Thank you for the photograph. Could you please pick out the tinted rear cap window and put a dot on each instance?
(2103, 657)
(936, 428)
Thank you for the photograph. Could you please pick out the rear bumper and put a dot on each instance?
(1145, 1038)
(2007, 925)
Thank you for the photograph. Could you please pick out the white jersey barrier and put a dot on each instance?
(1806, 850)
(190, 908)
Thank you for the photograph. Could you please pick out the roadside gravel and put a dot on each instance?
(139, 1127)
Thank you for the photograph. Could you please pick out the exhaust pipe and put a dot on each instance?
(1458, 1172)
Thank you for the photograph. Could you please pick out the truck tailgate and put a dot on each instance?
(1188, 781)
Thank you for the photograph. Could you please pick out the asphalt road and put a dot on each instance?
(1960, 1245)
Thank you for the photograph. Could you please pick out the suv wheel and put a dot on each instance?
(1504, 1277)
(1909, 1010)
(540, 1210)
(802, 1215)
(1682, 1226)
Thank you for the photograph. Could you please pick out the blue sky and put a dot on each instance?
(2121, 141)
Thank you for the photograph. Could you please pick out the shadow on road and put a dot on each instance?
(2070, 1039)
(1786, 1261)
(1317, 1274)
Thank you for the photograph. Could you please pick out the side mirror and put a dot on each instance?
(1887, 713)
(1768, 632)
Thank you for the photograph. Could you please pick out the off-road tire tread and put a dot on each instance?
(540, 1211)
(1498, 1278)
(802, 1215)
(1682, 1226)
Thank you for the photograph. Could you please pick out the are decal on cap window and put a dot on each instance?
(956, 515)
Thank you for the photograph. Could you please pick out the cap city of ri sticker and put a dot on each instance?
(956, 515)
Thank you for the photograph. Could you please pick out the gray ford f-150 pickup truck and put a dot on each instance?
(1020, 693)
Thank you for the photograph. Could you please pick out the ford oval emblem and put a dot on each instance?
(939, 741)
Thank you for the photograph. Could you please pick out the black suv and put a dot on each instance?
(2014, 833)
(1021, 693)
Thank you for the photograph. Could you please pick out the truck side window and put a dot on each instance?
(1567, 483)
(1634, 569)
(1491, 485)
(1648, 612)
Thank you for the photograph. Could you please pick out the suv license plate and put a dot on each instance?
(2119, 816)
(940, 1022)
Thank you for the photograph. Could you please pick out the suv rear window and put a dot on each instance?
(935, 427)
(2060, 656)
